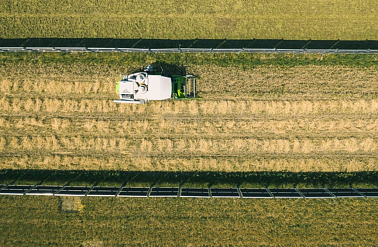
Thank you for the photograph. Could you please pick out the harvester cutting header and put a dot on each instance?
(141, 87)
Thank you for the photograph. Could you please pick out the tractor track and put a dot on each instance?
(199, 136)
(185, 118)
(242, 156)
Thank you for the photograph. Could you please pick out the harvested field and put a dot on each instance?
(262, 118)
(232, 19)
(153, 221)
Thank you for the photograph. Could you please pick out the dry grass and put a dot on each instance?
(69, 204)
(343, 162)
(304, 118)
(177, 127)
(235, 19)
(206, 107)
(92, 243)
(189, 146)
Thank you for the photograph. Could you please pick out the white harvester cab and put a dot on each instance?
(139, 88)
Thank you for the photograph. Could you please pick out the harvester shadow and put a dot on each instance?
(162, 68)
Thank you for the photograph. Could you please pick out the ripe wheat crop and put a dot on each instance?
(137, 221)
(235, 19)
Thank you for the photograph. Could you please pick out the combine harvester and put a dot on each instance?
(141, 87)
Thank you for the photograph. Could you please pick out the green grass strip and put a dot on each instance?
(243, 60)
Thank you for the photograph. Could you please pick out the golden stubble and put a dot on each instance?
(261, 119)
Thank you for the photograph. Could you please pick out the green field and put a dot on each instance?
(234, 19)
(41, 221)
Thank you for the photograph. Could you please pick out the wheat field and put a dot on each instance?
(214, 19)
(266, 118)
(91, 221)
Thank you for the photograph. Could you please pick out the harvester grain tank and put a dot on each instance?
(141, 87)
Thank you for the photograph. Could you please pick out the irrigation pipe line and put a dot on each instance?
(185, 192)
